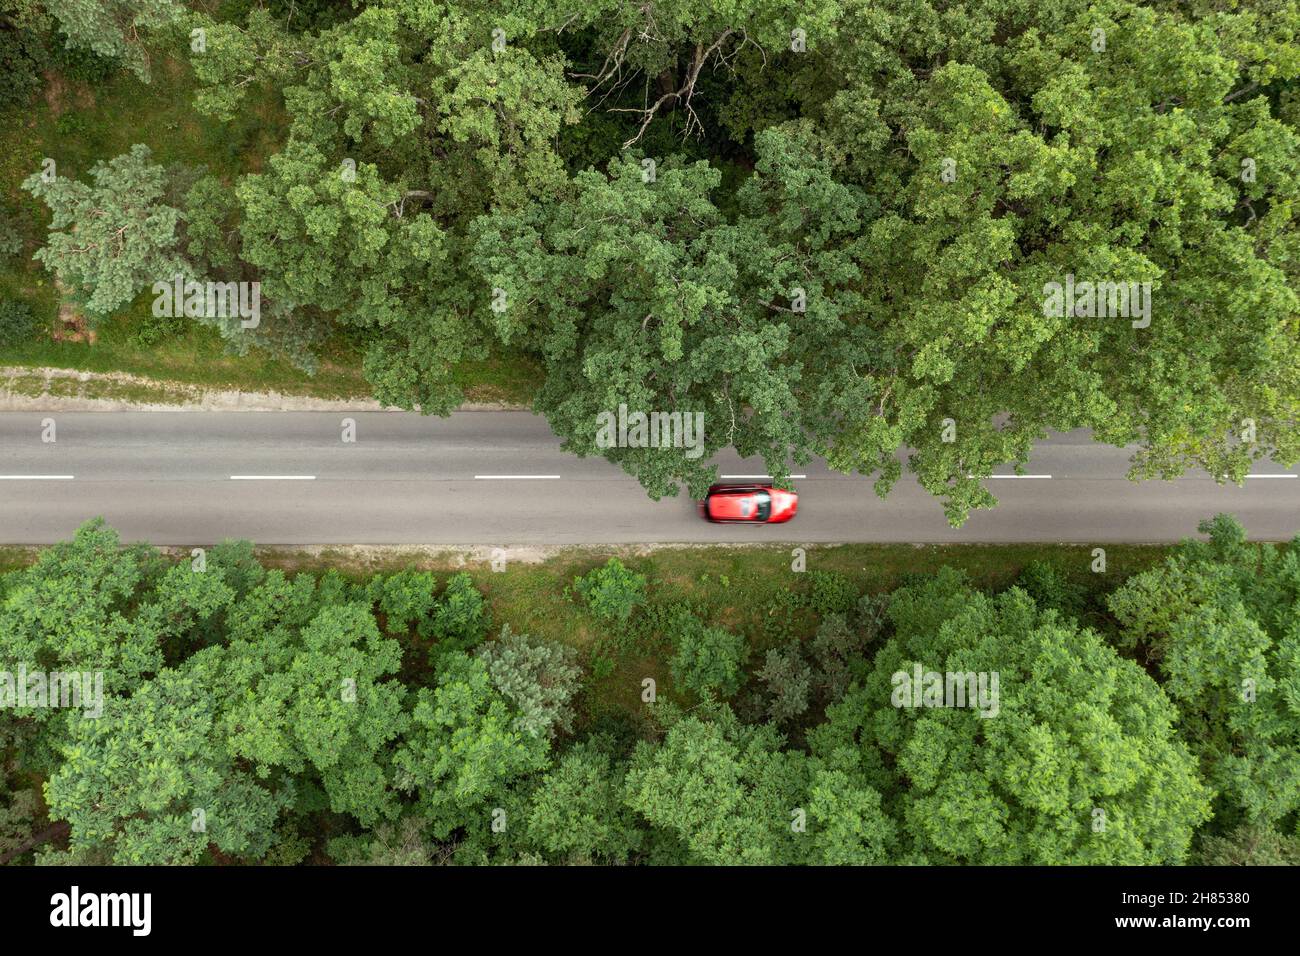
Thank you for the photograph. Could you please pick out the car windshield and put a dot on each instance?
(764, 502)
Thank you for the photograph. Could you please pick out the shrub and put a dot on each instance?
(239, 566)
(655, 629)
(11, 241)
(390, 844)
(832, 593)
(71, 123)
(22, 57)
(18, 325)
(153, 329)
(1250, 845)
(459, 618)
(836, 649)
(871, 615)
(612, 591)
(1050, 588)
(405, 598)
(788, 679)
(81, 64)
(708, 659)
(11, 237)
(781, 616)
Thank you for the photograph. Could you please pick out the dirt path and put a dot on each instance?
(24, 389)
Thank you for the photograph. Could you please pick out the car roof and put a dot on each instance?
(736, 506)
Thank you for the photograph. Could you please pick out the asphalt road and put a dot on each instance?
(499, 478)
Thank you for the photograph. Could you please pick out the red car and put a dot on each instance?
(749, 504)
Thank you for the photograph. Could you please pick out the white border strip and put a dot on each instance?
(272, 477)
(516, 477)
(37, 477)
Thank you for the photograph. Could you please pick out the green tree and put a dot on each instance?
(110, 240)
(459, 620)
(623, 291)
(1072, 758)
(316, 697)
(19, 813)
(728, 790)
(113, 28)
(238, 58)
(75, 608)
(1250, 845)
(1049, 586)
(848, 823)
(852, 262)
(539, 677)
(391, 844)
(405, 125)
(577, 814)
(1035, 126)
(1219, 619)
(405, 598)
(152, 782)
(838, 650)
(116, 615)
(787, 679)
(464, 748)
(22, 57)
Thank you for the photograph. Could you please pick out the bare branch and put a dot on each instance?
(683, 94)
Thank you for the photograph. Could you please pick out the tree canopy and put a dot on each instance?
(1072, 758)
(1221, 620)
(829, 229)
(246, 714)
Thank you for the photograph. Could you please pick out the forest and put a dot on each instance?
(828, 225)
(910, 238)
(249, 715)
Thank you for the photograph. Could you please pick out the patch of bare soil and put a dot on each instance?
(60, 94)
(71, 325)
(56, 92)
